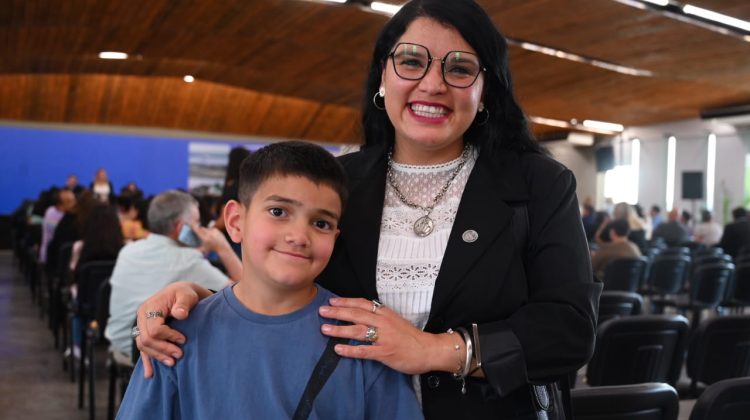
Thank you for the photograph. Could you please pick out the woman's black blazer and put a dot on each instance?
(535, 305)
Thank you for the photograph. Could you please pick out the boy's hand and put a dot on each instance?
(157, 339)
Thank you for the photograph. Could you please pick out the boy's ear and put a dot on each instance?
(233, 212)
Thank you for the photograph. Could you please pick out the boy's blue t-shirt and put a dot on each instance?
(238, 364)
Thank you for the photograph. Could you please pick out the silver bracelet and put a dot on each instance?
(456, 347)
(467, 361)
(477, 353)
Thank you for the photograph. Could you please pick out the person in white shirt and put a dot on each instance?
(707, 231)
(143, 267)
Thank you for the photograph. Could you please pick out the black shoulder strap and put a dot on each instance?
(323, 369)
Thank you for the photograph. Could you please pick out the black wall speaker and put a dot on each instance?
(692, 185)
(605, 158)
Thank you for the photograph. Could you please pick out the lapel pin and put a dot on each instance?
(470, 236)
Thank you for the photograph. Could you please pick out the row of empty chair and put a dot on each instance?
(640, 352)
(705, 279)
(724, 400)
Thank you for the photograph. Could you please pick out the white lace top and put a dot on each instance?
(408, 265)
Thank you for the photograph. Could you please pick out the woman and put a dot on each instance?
(102, 237)
(102, 187)
(101, 240)
(637, 235)
(456, 217)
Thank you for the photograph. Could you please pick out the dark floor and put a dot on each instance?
(33, 384)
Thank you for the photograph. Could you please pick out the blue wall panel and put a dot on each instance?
(34, 159)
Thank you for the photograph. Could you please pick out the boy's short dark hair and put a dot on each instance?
(620, 227)
(291, 158)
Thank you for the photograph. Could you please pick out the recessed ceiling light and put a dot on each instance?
(716, 17)
(549, 121)
(113, 55)
(658, 2)
(386, 8)
(601, 125)
(188, 79)
(553, 52)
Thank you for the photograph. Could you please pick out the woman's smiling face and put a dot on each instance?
(430, 116)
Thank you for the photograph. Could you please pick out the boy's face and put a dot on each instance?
(287, 232)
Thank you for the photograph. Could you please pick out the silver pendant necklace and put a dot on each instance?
(425, 225)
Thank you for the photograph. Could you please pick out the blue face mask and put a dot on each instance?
(188, 238)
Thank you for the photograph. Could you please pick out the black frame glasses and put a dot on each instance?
(465, 83)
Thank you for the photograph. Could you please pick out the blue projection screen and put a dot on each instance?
(34, 159)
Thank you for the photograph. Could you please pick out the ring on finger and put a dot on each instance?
(375, 305)
(371, 335)
(135, 332)
(154, 314)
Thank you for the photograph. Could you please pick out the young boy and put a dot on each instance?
(253, 347)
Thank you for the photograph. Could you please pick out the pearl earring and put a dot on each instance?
(381, 92)
(481, 107)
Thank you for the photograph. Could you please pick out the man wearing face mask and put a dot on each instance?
(170, 253)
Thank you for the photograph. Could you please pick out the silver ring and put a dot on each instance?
(135, 332)
(375, 305)
(371, 336)
(154, 314)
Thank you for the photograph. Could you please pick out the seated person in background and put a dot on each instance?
(707, 232)
(66, 231)
(63, 201)
(685, 221)
(101, 239)
(656, 218)
(672, 231)
(132, 189)
(132, 229)
(254, 346)
(636, 226)
(71, 183)
(165, 256)
(618, 247)
(736, 234)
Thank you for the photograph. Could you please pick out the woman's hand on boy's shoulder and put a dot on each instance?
(156, 339)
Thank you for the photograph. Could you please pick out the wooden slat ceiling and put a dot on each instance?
(294, 69)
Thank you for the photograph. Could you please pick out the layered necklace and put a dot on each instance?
(425, 225)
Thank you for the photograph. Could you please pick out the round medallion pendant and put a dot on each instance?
(423, 226)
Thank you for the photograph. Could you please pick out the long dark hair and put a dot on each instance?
(506, 127)
(102, 235)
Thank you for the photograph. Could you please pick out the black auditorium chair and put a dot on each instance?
(676, 250)
(719, 349)
(625, 274)
(712, 250)
(89, 277)
(738, 294)
(666, 278)
(59, 282)
(708, 288)
(725, 400)
(638, 349)
(647, 401)
(615, 303)
(94, 335)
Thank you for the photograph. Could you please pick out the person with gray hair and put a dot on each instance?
(170, 253)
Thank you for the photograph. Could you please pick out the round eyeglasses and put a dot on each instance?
(412, 61)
